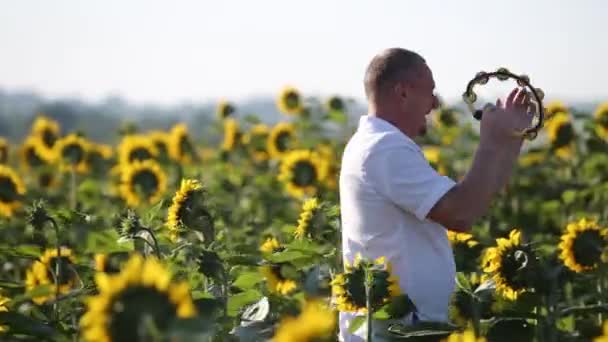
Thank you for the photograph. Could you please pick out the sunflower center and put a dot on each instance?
(140, 154)
(587, 248)
(145, 182)
(185, 147)
(66, 274)
(73, 153)
(8, 190)
(304, 174)
(336, 104)
(32, 157)
(513, 261)
(134, 308)
(447, 118)
(355, 287)
(603, 120)
(45, 179)
(3, 154)
(283, 140)
(565, 134)
(226, 111)
(49, 138)
(292, 100)
(258, 142)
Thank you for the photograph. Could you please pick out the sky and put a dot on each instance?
(167, 52)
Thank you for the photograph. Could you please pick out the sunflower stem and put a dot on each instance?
(57, 264)
(72, 189)
(600, 291)
(155, 246)
(368, 302)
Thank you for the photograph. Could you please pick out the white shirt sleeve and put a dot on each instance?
(405, 177)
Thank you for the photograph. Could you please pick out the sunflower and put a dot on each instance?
(12, 189)
(224, 109)
(3, 308)
(348, 288)
(143, 292)
(3, 151)
(181, 148)
(555, 107)
(183, 207)
(510, 265)
(142, 181)
(42, 273)
(136, 148)
(276, 281)
(328, 155)
(275, 273)
(281, 139)
(561, 134)
(231, 134)
(316, 321)
(160, 139)
(290, 101)
(601, 120)
(34, 154)
(302, 171)
(309, 208)
(433, 156)
(445, 117)
(47, 180)
(465, 336)
(582, 245)
(270, 245)
(110, 263)
(47, 129)
(532, 158)
(255, 140)
(335, 104)
(72, 152)
(462, 238)
(604, 337)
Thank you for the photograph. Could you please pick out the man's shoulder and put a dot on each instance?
(377, 142)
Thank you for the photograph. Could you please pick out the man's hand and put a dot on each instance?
(501, 124)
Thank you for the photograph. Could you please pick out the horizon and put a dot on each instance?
(194, 52)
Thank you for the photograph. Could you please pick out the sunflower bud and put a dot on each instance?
(37, 215)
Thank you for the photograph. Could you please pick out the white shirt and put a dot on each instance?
(387, 188)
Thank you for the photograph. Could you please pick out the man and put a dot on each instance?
(394, 204)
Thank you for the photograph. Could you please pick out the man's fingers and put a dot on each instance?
(521, 98)
(511, 97)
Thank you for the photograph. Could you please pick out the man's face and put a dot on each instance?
(420, 100)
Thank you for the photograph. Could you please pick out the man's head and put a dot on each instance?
(400, 89)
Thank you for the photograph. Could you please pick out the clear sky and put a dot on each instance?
(170, 51)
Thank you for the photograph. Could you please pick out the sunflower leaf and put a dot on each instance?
(248, 280)
(237, 301)
(463, 283)
(19, 324)
(39, 291)
(356, 323)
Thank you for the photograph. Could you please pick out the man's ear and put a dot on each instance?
(400, 90)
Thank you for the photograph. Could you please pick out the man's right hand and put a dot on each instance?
(501, 124)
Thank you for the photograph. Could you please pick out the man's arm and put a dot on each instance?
(492, 167)
(470, 198)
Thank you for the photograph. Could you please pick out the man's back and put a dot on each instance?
(386, 190)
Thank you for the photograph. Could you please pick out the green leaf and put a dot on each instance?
(286, 256)
(356, 323)
(237, 301)
(246, 260)
(20, 324)
(105, 242)
(421, 329)
(248, 280)
(463, 283)
(192, 329)
(39, 291)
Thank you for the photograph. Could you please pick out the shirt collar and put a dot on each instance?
(373, 123)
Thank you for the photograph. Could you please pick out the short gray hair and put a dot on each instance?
(389, 66)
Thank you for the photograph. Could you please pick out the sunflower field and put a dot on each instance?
(161, 237)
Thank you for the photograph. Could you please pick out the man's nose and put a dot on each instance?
(435, 102)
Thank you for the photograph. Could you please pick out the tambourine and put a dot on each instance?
(504, 74)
